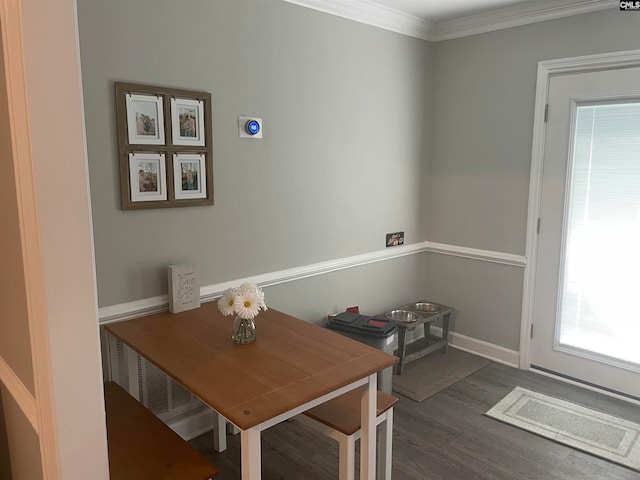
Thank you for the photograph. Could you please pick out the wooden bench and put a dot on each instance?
(340, 419)
(142, 447)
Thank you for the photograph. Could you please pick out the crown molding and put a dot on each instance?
(381, 16)
(374, 14)
(515, 16)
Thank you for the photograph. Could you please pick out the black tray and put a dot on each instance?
(376, 327)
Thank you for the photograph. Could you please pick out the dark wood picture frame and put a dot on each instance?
(161, 141)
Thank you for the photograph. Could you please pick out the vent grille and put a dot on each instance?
(158, 392)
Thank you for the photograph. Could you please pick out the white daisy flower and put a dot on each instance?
(226, 304)
(245, 301)
(252, 289)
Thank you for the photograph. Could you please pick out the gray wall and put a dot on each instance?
(445, 157)
(478, 171)
(478, 174)
(345, 109)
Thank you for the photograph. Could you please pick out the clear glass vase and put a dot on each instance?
(244, 330)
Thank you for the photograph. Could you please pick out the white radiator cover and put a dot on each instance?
(156, 390)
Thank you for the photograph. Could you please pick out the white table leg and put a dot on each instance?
(251, 454)
(219, 432)
(368, 432)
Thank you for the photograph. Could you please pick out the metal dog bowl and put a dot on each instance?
(403, 316)
(426, 307)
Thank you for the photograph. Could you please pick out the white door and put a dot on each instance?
(586, 307)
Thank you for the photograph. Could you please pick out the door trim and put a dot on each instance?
(38, 408)
(546, 70)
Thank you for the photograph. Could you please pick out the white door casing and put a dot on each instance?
(592, 74)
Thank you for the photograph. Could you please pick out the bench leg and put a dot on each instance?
(347, 455)
(385, 446)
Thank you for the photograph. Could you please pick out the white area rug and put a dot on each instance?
(593, 432)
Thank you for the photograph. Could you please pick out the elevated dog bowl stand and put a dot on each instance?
(430, 343)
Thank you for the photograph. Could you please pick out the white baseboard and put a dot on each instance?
(484, 349)
(487, 350)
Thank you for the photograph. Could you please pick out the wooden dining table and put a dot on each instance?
(293, 366)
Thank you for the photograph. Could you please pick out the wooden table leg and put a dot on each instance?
(368, 429)
(251, 454)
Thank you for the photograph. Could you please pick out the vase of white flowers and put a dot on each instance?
(245, 302)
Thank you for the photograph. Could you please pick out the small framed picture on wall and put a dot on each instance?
(145, 119)
(189, 176)
(147, 177)
(187, 121)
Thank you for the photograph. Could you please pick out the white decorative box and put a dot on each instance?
(184, 287)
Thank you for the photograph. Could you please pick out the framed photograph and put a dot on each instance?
(189, 176)
(145, 119)
(187, 121)
(147, 177)
(165, 146)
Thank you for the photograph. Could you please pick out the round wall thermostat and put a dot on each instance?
(252, 127)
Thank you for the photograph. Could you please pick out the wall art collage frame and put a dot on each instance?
(165, 146)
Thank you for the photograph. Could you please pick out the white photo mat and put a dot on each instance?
(147, 177)
(145, 119)
(187, 122)
(189, 176)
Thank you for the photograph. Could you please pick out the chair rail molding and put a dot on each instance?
(477, 254)
(208, 293)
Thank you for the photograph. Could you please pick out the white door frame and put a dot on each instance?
(546, 70)
(37, 406)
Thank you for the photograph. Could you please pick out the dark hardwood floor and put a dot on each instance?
(446, 437)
